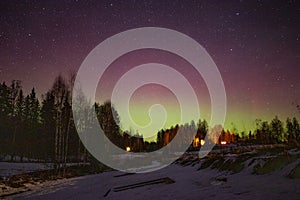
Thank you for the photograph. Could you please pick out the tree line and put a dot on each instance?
(44, 130)
(38, 130)
(276, 131)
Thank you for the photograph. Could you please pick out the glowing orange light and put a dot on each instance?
(196, 142)
(223, 142)
(127, 149)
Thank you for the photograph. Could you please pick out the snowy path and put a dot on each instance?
(189, 184)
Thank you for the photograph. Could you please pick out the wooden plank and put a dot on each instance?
(126, 174)
(165, 180)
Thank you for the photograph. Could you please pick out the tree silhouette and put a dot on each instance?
(276, 131)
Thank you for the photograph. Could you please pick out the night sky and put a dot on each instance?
(255, 45)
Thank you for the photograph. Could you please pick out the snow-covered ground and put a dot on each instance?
(185, 179)
(190, 183)
(8, 169)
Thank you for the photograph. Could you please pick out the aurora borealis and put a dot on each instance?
(255, 45)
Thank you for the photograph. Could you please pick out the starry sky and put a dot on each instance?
(255, 45)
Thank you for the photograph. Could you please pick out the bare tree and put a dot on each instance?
(69, 118)
(60, 92)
